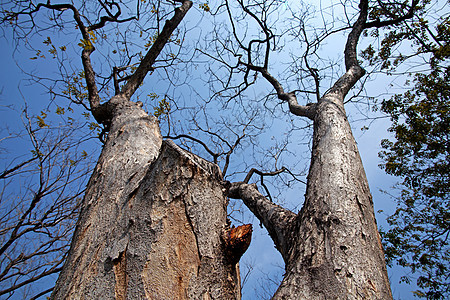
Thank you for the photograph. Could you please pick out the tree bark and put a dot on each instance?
(153, 222)
(331, 248)
(336, 249)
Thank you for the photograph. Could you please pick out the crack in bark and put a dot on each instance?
(120, 274)
(188, 217)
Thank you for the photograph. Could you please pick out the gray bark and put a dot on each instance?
(331, 248)
(336, 250)
(153, 221)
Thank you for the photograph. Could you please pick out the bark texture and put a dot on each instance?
(153, 221)
(336, 250)
(331, 248)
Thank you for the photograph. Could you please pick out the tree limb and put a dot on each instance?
(52, 270)
(15, 168)
(277, 220)
(147, 62)
(94, 99)
(408, 15)
(253, 170)
(110, 17)
(307, 110)
(354, 71)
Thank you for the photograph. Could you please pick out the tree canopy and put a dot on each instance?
(419, 154)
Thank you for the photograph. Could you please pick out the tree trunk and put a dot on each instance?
(331, 248)
(153, 221)
(336, 251)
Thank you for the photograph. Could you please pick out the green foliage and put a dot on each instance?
(52, 49)
(60, 110)
(419, 232)
(94, 126)
(88, 43)
(204, 6)
(151, 41)
(76, 89)
(162, 110)
(422, 36)
(41, 120)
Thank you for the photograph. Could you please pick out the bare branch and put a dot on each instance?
(110, 17)
(353, 70)
(253, 171)
(35, 278)
(41, 294)
(147, 62)
(17, 167)
(307, 110)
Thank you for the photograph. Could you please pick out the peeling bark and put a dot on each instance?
(152, 221)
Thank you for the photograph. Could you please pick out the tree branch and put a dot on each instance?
(307, 110)
(52, 270)
(253, 170)
(42, 293)
(408, 15)
(15, 168)
(147, 62)
(277, 220)
(354, 71)
(110, 17)
(94, 99)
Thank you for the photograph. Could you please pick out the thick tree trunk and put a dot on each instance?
(331, 248)
(153, 222)
(336, 251)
